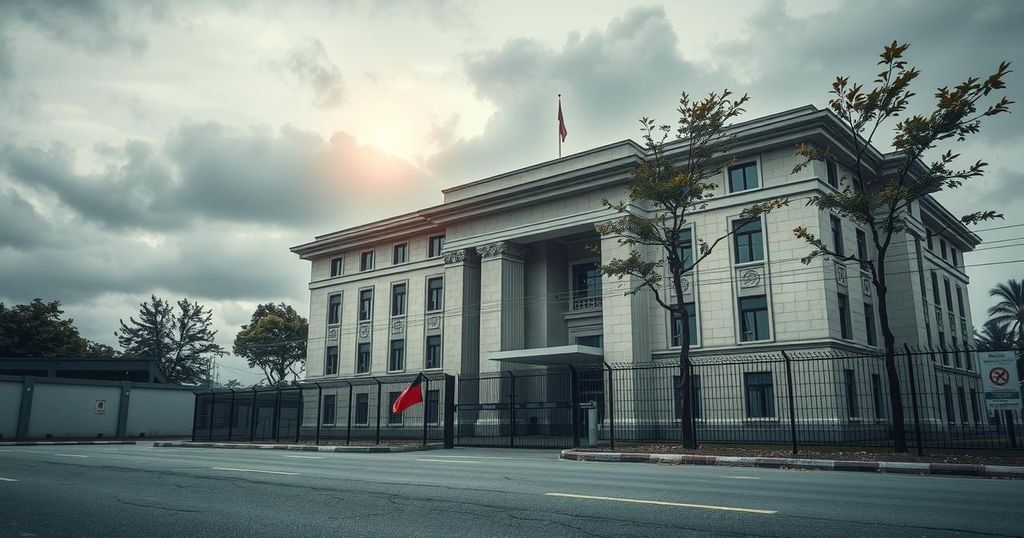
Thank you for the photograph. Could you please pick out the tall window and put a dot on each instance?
(393, 418)
(363, 358)
(974, 405)
(362, 409)
(760, 395)
(832, 172)
(743, 177)
(748, 241)
(852, 405)
(952, 257)
(962, 398)
(947, 392)
(366, 261)
(586, 280)
(869, 324)
(877, 396)
(330, 407)
(942, 248)
(331, 360)
(949, 295)
(435, 294)
(433, 354)
(862, 249)
(753, 318)
(686, 249)
(837, 234)
(935, 289)
(366, 304)
(396, 362)
(931, 244)
(337, 266)
(678, 399)
(844, 317)
(334, 309)
(677, 325)
(942, 346)
(401, 254)
(398, 299)
(433, 406)
(960, 300)
(435, 245)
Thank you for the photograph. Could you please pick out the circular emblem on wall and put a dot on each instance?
(433, 322)
(364, 331)
(750, 278)
(396, 326)
(332, 334)
(685, 285)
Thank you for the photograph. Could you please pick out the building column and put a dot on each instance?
(462, 312)
(626, 318)
(502, 301)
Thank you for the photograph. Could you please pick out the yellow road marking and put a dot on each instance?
(664, 503)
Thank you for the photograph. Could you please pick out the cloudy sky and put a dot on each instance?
(180, 148)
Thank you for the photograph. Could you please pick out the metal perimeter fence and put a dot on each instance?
(786, 398)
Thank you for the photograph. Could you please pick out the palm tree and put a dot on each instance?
(1009, 311)
(993, 337)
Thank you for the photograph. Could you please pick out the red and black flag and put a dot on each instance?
(409, 397)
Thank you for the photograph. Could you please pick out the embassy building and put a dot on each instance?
(504, 275)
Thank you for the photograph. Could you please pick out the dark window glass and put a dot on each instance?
(869, 324)
(331, 361)
(327, 415)
(435, 294)
(337, 266)
(396, 363)
(401, 254)
(398, 299)
(434, 246)
(677, 325)
(748, 241)
(952, 257)
(942, 346)
(956, 351)
(753, 318)
(877, 395)
(686, 249)
(433, 406)
(949, 295)
(974, 405)
(935, 289)
(942, 248)
(366, 261)
(832, 172)
(844, 317)
(362, 409)
(837, 235)
(743, 177)
(393, 418)
(677, 387)
(960, 300)
(433, 354)
(962, 397)
(947, 392)
(586, 280)
(760, 396)
(862, 249)
(852, 405)
(363, 359)
(931, 245)
(365, 304)
(334, 309)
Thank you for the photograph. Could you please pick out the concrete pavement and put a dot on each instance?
(145, 491)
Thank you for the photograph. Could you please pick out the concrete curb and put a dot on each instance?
(300, 448)
(946, 469)
(62, 443)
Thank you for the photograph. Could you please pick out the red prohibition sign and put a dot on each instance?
(999, 376)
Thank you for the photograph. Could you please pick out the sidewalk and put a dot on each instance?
(948, 469)
(361, 449)
(58, 443)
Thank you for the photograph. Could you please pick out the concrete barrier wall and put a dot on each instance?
(10, 406)
(156, 412)
(70, 411)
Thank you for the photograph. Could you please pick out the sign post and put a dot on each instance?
(1002, 387)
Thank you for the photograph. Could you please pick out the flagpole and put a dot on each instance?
(559, 132)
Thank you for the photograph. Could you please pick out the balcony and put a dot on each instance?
(586, 303)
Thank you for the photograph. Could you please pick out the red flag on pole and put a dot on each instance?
(562, 132)
(409, 397)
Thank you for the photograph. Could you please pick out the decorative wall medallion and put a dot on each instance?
(364, 330)
(840, 275)
(502, 248)
(434, 322)
(685, 285)
(397, 326)
(938, 316)
(866, 286)
(750, 278)
(332, 333)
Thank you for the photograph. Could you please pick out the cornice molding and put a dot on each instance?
(502, 248)
(462, 255)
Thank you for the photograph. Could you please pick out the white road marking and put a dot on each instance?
(2, 479)
(744, 477)
(5, 450)
(448, 461)
(491, 458)
(304, 457)
(664, 503)
(71, 455)
(252, 471)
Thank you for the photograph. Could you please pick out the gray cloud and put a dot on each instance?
(20, 225)
(309, 64)
(94, 25)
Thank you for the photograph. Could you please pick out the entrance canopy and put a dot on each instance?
(550, 356)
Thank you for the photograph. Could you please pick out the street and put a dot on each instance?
(144, 491)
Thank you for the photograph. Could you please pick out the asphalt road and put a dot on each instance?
(145, 491)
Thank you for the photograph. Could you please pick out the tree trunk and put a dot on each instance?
(899, 430)
(685, 381)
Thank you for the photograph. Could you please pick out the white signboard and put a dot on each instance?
(101, 407)
(999, 377)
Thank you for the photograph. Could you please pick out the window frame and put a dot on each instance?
(333, 309)
(363, 266)
(736, 235)
(359, 312)
(404, 303)
(869, 325)
(391, 354)
(339, 264)
(365, 396)
(440, 352)
(333, 398)
(741, 319)
(430, 246)
(755, 164)
(369, 358)
(427, 306)
(768, 399)
(674, 320)
(404, 246)
(432, 406)
(862, 249)
(852, 397)
(832, 173)
(328, 362)
(837, 235)
(845, 325)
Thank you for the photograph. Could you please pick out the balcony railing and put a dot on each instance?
(586, 303)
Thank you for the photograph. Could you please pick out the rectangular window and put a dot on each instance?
(327, 415)
(935, 289)
(753, 318)
(862, 249)
(949, 295)
(393, 418)
(960, 300)
(433, 354)
(366, 304)
(974, 405)
(363, 359)
(433, 406)
(337, 266)
(396, 361)
(334, 309)
(743, 177)
(435, 245)
(962, 397)
(852, 405)
(942, 247)
(832, 172)
(398, 299)
(362, 409)
(931, 245)
(760, 395)
(942, 346)
(435, 294)
(952, 257)
(678, 391)
(686, 249)
(869, 324)
(956, 351)
(748, 241)
(331, 361)
(837, 234)
(677, 325)
(877, 396)
(844, 317)
(948, 393)
(366, 261)
(400, 254)
(586, 280)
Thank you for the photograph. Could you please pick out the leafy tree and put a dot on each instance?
(1008, 313)
(662, 192)
(994, 336)
(274, 341)
(182, 341)
(233, 384)
(37, 330)
(879, 197)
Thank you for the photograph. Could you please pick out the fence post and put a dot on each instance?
(426, 402)
(1010, 430)
(792, 400)
(213, 411)
(611, 406)
(348, 423)
(512, 411)
(574, 389)
(299, 417)
(231, 415)
(276, 423)
(319, 409)
(449, 411)
(913, 399)
(253, 415)
(195, 416)
(378, 408)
